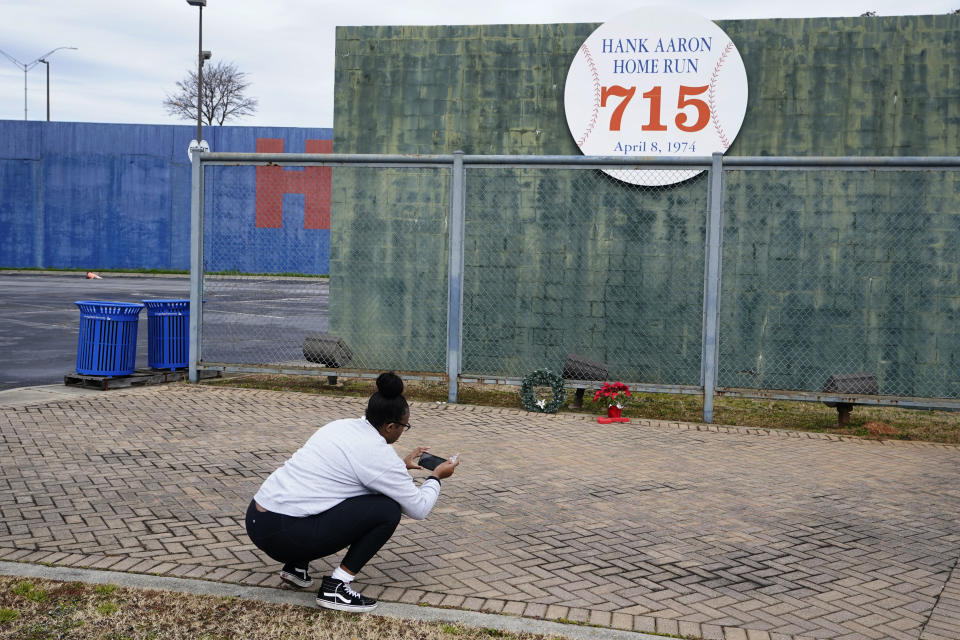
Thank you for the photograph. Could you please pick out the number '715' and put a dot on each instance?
(682, 119)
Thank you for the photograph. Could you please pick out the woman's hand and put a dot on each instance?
(411, 460)
(446, 469)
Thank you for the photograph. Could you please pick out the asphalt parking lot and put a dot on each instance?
(39, 321)
(246, 319)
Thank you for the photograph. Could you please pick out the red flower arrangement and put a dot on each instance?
(616, 393)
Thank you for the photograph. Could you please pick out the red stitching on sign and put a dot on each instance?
(596, 94)
(711, 98)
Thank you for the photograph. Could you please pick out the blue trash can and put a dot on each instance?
(107, 344)
(168, 333)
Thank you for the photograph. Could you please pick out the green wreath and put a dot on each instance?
(542, 378)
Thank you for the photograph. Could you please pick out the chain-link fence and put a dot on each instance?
(758, 277)
(849, 274)
(580, 273)
(266, 285)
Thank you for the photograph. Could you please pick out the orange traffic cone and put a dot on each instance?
(92, 276)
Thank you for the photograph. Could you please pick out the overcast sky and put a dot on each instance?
(131, 53)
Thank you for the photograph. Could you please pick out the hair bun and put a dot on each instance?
(389, 385)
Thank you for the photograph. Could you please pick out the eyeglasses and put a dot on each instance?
(406, 427)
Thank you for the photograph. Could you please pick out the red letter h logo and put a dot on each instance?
(312, 182)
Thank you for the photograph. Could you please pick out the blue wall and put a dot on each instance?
(117, 196)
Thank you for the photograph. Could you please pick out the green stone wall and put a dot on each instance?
(842, 272)
(826, 86)
(566, 261)
(574, 261)
(389, 244)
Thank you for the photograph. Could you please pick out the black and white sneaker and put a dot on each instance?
(295, 576)
(337, 594)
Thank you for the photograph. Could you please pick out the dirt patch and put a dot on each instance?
(880, 429)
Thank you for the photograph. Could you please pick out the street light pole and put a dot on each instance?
(48, 87)
(26, 66)
(200, 75)
(201, 56)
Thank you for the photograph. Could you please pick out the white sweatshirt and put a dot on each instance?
(344, 459)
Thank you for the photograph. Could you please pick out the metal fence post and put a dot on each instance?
(196, 261)
(455, 275)
(711, 286)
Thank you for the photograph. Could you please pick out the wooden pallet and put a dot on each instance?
(138, 378)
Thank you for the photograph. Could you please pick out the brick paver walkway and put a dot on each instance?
(649, 526)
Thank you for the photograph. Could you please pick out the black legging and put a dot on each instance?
(364, 524)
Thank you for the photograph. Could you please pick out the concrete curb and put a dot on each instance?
(25, 396)
(307, 599)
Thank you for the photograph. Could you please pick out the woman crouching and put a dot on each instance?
(344, 489)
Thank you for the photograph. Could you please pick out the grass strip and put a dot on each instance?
(884, 423)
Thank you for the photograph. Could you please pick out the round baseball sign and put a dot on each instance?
(656, 82)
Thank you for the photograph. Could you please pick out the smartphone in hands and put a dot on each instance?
(430, 461)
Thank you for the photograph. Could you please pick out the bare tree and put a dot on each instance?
(223, 95)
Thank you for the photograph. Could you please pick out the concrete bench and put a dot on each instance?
(579, 368)
(330, 351)
(849, 383)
